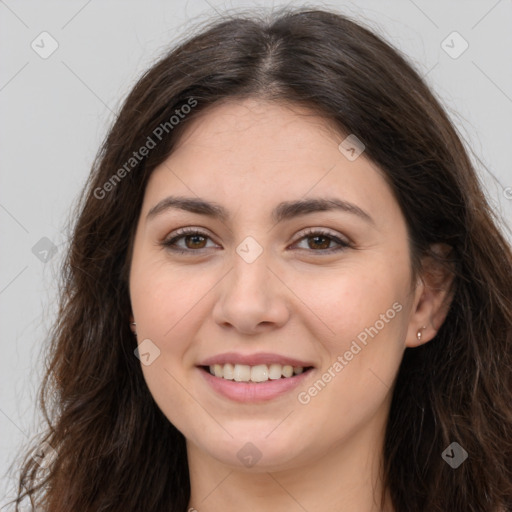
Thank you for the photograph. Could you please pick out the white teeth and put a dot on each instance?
(257, 373)
(274, 371)
(217, 370)
(287, 370)
(227, 371)
(242, 373)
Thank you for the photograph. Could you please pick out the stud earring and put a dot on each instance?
(134, 332)
(419, 334)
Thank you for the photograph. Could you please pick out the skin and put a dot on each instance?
(294, 299)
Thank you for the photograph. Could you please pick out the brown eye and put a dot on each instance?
(320, 241)
(324, 243)
(194, 241)
(197, 241)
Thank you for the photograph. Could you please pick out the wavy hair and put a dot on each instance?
(117, 452)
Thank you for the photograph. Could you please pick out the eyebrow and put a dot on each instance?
(283, 211)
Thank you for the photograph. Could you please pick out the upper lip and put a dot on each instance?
(254, 359)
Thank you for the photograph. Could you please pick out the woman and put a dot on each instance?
(285, 290)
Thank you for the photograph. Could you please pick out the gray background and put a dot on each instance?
(55, 112)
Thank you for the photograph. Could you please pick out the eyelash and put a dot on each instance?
(184, 232)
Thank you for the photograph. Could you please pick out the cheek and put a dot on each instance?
(348, 300)
(365, 310)
(163, 297)
(167, 307)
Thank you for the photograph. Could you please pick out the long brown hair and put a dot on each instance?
(116, 451)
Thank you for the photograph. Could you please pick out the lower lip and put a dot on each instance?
(254, 391)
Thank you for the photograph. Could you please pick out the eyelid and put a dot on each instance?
(325, 232)
(183, 232)
(342, 241)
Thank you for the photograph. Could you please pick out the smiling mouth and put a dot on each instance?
(255, 374)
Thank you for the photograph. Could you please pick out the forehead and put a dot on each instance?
(243, 126)
(253, 153)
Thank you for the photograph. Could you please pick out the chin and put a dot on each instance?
(253, 452)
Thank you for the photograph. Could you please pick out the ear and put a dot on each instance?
(432, 297)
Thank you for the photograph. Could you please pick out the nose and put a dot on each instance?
(252, 298)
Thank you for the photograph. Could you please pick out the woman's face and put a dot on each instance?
(277, 282)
